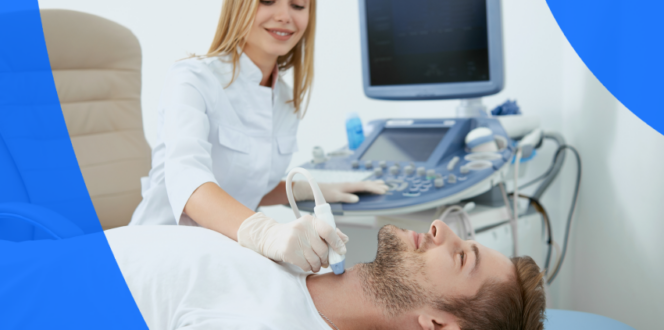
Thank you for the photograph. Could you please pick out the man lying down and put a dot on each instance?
(194, 278)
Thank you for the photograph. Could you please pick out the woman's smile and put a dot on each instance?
(280, 34)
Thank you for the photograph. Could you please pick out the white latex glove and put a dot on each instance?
(303, 242)
(339, 192)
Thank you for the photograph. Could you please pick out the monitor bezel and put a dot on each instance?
(442, 91)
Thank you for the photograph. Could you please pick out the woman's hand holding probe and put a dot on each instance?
(303, 242)
(339, 192)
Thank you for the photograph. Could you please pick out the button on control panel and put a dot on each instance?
(417, 173)
(396, 185)
(452, 164)
(410, 180)
(409, 170)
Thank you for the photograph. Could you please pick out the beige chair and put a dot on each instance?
(96, 66)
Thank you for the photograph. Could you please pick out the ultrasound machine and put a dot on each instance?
(426, 50)
(453, 169)
(463, 170)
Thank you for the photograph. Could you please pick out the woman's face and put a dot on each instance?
(278, 27)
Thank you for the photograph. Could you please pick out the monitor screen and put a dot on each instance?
(427, 41)
(405, 144)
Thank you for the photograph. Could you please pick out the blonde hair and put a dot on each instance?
(237, 18)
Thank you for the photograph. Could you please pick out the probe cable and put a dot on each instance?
(322, 210)
(469, 230)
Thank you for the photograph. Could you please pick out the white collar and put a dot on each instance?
(254, 74)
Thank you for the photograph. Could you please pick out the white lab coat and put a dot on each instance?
(240, 137)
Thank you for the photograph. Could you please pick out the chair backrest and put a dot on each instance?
(96, 66)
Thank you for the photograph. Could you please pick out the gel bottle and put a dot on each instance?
(354, 130)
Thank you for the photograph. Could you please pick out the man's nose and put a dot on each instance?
(438, 232)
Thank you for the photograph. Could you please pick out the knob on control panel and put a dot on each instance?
(421, 171)
(382, 164)
(431, 173)
(394, 170)
(319, 155)
(368, 164)
(355, 164)
(438, 183)
(378, 172)
(409, 169)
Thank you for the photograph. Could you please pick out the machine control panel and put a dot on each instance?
(421, 160)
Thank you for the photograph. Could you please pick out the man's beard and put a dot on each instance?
(390, 279)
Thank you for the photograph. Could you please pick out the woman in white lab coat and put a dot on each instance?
(227, 131)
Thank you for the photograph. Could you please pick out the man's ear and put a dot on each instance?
(437, 321)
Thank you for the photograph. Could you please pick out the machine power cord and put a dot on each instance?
(549, 171)
(575, 198)
(515, 209)
(547, 222)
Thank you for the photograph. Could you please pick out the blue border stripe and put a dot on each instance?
(72, 283)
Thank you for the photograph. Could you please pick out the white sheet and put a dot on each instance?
(193, 278)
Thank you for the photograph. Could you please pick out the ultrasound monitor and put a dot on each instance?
(431, 49)
(405, 144)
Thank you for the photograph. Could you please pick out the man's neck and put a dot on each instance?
(342, 300)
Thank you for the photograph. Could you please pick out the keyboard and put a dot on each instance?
(331, 176)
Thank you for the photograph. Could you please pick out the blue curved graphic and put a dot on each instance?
(621, 43)
(57, 270)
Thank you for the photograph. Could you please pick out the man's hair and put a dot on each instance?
(516, 304)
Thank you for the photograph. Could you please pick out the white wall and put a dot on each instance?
(617, 254)
(614, 258)
(168, 30)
